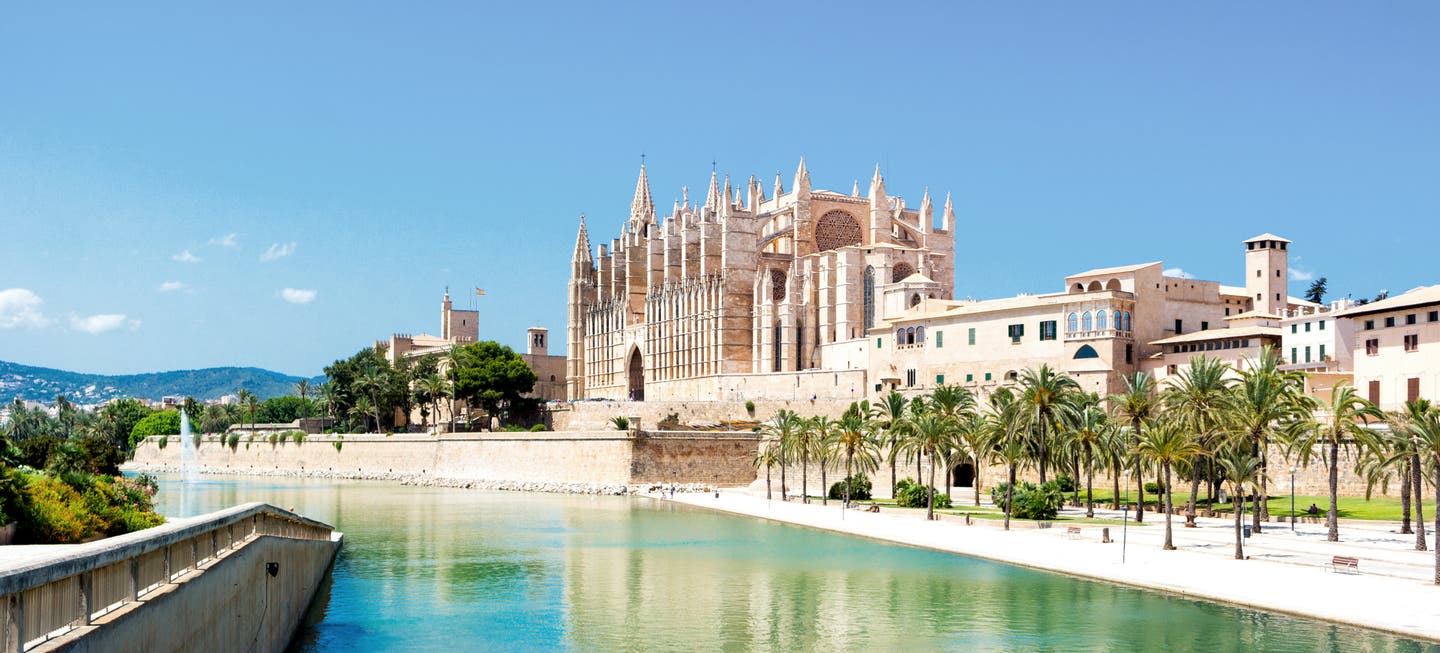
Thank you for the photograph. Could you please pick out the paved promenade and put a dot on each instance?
(1287, 572)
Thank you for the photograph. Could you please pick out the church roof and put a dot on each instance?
(917, 278)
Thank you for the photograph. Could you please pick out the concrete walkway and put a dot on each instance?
(1285, 573)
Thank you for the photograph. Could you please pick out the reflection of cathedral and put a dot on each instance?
(745, 284)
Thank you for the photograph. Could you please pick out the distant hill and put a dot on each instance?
(43, 383)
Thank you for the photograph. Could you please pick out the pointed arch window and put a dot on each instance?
(900, 336)
(1118, 324)
(868, 292)
(1127, 320)
(1085, 321)
(1100, 321)
(1086, 351)
(1071, 323)
(920, 335)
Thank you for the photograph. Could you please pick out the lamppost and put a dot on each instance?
(1125, 519)
(1292, 499)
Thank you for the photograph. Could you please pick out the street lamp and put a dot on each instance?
(1292, 499)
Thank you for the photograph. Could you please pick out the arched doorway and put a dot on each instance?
(963, 476)
(637, 376)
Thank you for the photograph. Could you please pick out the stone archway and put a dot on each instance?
(636, 372)
(963, 476)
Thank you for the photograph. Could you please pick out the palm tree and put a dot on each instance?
(1089, 431)
(1166, 443)
(1201, 399)
(854, 439)
(362, 409)
(1007, 422)
(782, 429)
(807, 438)
(1424, 430)
(1136, 404)
(247, 400)
(1046, 395)
(372, 381)
(434, 388)
(890, 419)
(928, 435)
(1241, 468)
(1266, 400)
(766, 455)
(956, 404)
(972, 438)
(1346, 416)
(1401, 451)
(824, 454)
(302, 388)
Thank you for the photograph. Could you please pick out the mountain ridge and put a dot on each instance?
(36, 383)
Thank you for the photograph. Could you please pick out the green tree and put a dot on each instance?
(120, 417)
(854, 440)
(1166, 442)
(1266, 401)
(766, 457)
(1008, 422)
(165, 422)
(1136, 405)
(1090, 431)
(1047, 395)
(1201, 399)
(491, 375)
(1344, 425)
(928, 435)
(248, 404)
(1424, 430)
(889, 417)
(1316, 291)
(783, 429)
(1241, 468)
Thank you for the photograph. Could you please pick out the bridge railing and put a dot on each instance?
(49, 596)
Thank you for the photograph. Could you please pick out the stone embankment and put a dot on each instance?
(550, 487)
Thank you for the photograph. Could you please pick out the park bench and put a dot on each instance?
(1345, 563)
(1072, 532)
(874, 507)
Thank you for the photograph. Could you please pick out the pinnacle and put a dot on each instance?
(642, 206)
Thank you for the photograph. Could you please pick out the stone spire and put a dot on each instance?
(642, 208)
(927, 212)
(712, 196)
(756, 194)
(855, 190)
(582, 243)
(727, 201)
(877, 184)
(802, 178)
(947, 219)
(779, 189)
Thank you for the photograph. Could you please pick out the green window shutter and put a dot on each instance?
(969, 378)
(987, 376)
(1322, 352)
(972, 335)
(1294, 355)
(939, 339)
(939, 379)
(879, 343)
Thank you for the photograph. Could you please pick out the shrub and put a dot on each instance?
(338, 444)
(298, 437)
(1154, 488)
(620, 423)
(1031, 501)
(165, 422)
(164, 440)
(750, 407)
(1066, 483)
(35, 452)
(234, 441)
(538, 428)
(859, 488)
(197, 438)
(274, 438)
(909, 494)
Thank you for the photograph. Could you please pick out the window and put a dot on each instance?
(1118, 323)
(1129, 354)
(1307, 353)
(879, 343)
(1227, 311)
(1204, 326)
(1433, 316)
(1372, 347)
(867, 290)
(1047, 330)
(1374, 392)
(969, 378)
(1070, 323)
(1295, 328)
(1412, 342)
(1127, 321)
(1100, 321)
(1412, 389)
(1369, 325)
(1410, 319)
(909, 378)
(1294, 355)
(1322, 352)
(972, 335)
(1086, 351)
(1390, 321)
(1179, 327)
(987, 376)
(920, 335)
(1322, 325)
(939, 339)
(1016, 331)
(899, 336)
(939, 379)
(910, 336)
(1086, 322)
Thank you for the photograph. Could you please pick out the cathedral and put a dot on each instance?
(749, 290)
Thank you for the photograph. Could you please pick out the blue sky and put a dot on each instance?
(378, 152)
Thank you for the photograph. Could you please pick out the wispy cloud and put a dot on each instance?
(1301, 275)
(1176, 272)
(186, 257)
(98, 324)
(277, 251)
(21, 308)
(228, 241)
(172, 286)
(297, 296)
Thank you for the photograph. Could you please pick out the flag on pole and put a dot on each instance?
(479, 292)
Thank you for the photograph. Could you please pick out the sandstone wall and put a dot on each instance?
(595, 415)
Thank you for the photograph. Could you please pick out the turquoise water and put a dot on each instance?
(439, 569)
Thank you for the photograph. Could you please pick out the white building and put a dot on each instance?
(1397, 347)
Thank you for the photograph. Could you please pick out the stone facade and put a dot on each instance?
(746, 284)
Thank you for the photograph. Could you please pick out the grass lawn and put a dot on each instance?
(1378, 508)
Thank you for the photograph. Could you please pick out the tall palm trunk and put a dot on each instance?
(1239, 548)
(1009, 497)
(975, 478)
(930, 503)
(893, 472)
(782, 478)
(1139, 474)
(1115, 482)
(805, 476)
(846, 504)
(1262, 510)
(1436, 462)
(1168, 507)
(1405, 500)
(1089, 480)
(824, 488)
(1042, 449)
(1419, 508)
(768, 494)
(1194, 494)
(1332, 517)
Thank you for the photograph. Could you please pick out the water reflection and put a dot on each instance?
(435, 568)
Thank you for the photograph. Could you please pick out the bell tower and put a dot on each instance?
(1267, 266)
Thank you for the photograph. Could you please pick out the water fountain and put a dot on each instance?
(188, 470)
